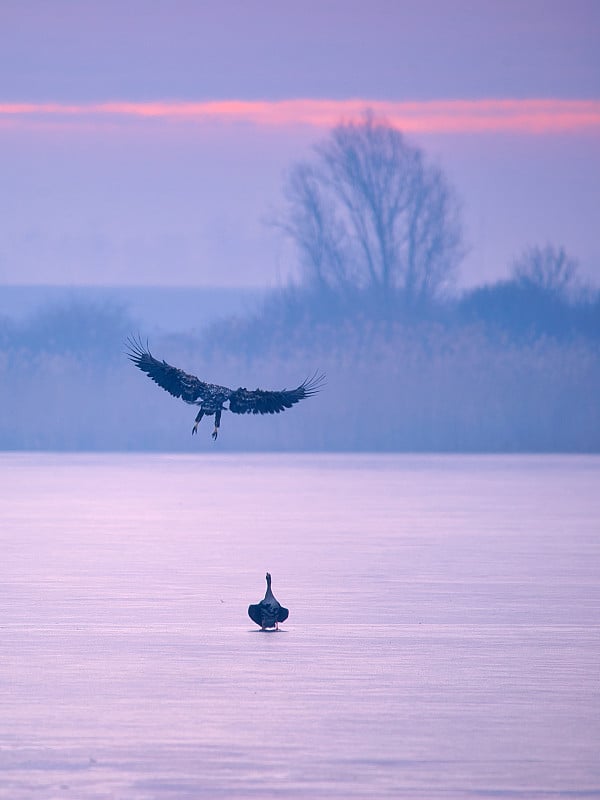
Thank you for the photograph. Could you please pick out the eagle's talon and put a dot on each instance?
(195, 429)
(214, 433)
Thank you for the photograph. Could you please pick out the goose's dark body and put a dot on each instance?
(269, 612)
(212, 398)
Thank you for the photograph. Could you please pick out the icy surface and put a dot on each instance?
(443, 638)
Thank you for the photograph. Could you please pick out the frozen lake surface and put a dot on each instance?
(443, 638)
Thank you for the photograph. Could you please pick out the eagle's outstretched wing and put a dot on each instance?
(174, 380)
(259, 401)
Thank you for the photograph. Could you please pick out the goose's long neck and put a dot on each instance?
(268, 592)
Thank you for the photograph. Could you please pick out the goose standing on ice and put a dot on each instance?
(268, 613)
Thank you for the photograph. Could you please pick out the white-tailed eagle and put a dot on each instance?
(212, 398)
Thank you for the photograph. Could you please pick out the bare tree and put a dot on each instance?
(367, 212)
(548, 268)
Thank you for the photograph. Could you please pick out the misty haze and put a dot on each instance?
(413, 362)
(353, 247)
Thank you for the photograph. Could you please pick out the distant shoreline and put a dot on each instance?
(168, 308)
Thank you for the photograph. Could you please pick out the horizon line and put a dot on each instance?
(485, 115)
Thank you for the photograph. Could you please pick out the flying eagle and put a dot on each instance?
(212, 398)
(269, 612)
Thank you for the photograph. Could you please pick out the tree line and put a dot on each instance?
(377, 233)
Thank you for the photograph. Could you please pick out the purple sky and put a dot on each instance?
(98, 196)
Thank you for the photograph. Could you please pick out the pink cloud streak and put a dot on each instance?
(534, 116)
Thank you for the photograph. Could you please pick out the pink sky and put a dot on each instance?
(529, 116)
